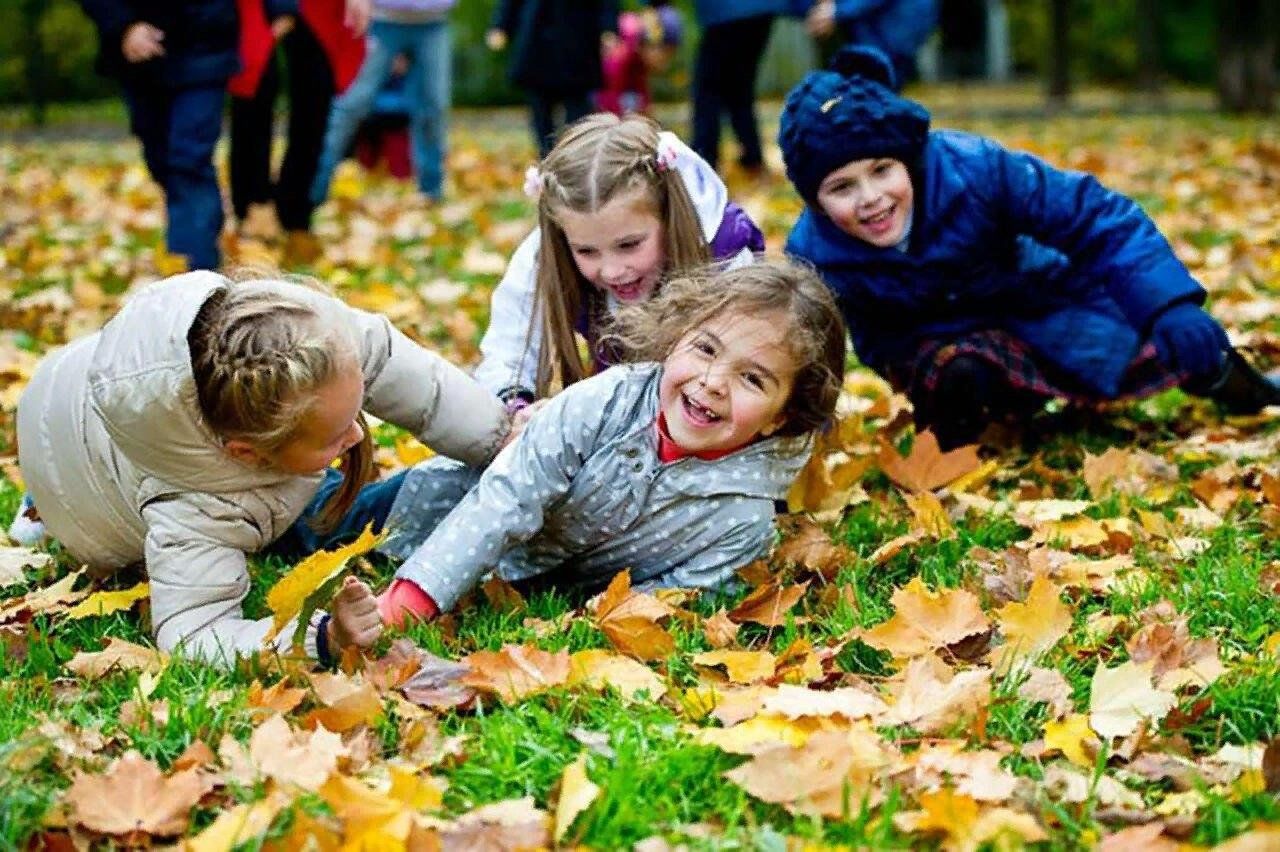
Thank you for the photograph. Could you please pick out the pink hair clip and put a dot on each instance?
(668, 151)
(533, 182)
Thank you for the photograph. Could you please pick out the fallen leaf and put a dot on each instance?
(293, 758)
(119, 654)
(502, 596)
(105, 603)
(516, 672)
(928, 516)
(1123, 697)
(14, 559)
(768, 605)
(924, 620)
(1049, 686)
(741, 666)
(348, 702)
(926, 467)
(512, 824)
(809, 546)
(894, 546)
(629, 620)
(576, 795)
(311, 584)
(929, 696)
(964, 825)
(794, 702)
(1140, 838)
(239, 825)
(1032, 627)
(438, 684)
(134, 800)
(1066, 784)
(598, 669)
(278, 698)
(830, 775)
(719, 630)
(975, 773)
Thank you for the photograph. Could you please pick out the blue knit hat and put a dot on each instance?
(851, 112)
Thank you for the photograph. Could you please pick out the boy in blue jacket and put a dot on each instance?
(983, 281)
(173, 61)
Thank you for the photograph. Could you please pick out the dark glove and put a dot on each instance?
(1189, 340)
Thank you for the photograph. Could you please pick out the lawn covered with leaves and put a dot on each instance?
(1073, 640)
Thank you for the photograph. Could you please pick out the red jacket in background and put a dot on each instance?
(344, 49)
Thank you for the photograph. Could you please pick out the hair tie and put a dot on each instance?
(533, 182)
(668, 151)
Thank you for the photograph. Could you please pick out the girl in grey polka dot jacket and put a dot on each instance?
(668, 466)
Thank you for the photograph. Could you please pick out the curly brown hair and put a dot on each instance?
(650, 331)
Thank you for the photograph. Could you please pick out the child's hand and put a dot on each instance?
(496, 39)
(1190, 340)
(282, 26)
(356, 14)
(141, 42)
(821, 20)
(521, 419)
(353, 617)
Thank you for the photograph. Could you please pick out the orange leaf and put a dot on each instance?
(516, 671)
(927, 467)
(768, 605)
(134, 799)
(925, 621)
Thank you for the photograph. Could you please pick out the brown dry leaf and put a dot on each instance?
(966, 827)
(348, 702)
(1130, 472)
(1049, 686)
(598, 669)
(1264, 837)
(975, 773)
(794, 702)
(299, 758)
(929, 696)
(50, 600)
(629, 620)
(277, 698)
(502, 596)
(516, 672)
(1271, 766)
(1074, 786)
(809, 546)
(925, 621)
(928, 516)
(514, 824)
(438, 684)
(118, 655)
(768, 605)
(741, 666)
(576, 795)
(894, 546)
(197, 755)
(1123, 697)
(829, 482)
(1032, 627)
(719, 630)
(927, 467)
(14, 559)
(1177, 659)
(1140, 838)
(831, 774)
(134, 800)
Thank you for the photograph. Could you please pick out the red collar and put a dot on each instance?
(669, 450)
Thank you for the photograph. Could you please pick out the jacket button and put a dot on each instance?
(638, 466)
(630, 452)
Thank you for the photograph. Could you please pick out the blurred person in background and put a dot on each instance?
(647, 41)
(555, 56)
(897, 28)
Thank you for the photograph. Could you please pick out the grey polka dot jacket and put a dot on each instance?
(582, 495)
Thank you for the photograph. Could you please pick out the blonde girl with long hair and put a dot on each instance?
(201, 423)
(621, 205)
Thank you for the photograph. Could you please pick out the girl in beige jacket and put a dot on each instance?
(199, 425)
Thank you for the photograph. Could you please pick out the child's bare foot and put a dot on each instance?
(353, 617)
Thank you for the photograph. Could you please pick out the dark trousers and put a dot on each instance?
(724, 80)
(372, 505)
(542, 107)
(252, 122)
(178, 129)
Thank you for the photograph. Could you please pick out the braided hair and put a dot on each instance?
(598, 159)
(258, 355)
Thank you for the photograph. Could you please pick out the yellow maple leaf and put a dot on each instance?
(598, 668)
(238, 825)
(292, 591)
(577, 792)
(103, 603)
(741, 666)
(1074, 738)
(928, 515)
(1033, 626)
(925, 620)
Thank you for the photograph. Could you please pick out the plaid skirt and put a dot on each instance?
(1145, 375)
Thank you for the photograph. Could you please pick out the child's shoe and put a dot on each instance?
(27, 530)
(1240, 388)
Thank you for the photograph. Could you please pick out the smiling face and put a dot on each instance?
(619, 248)
(869, 199)
(727, 381)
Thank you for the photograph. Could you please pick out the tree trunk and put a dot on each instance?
(1247, 54)
(1149, 73)
(1059, 77)
(34, 61)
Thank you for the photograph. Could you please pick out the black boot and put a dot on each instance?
(971, 394)
(1240, 388)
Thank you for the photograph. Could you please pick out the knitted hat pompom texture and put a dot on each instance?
(851, 112)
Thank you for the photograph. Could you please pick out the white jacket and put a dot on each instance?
(510, 347)
(122, 468)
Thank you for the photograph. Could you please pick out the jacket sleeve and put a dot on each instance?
(509, 503)
(714, 568)
(1106, 235)
(195, 556)
(418, 390)
(847, 10)
(510, 346)
(112, 18)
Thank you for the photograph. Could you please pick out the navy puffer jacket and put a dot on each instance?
(1000, 239)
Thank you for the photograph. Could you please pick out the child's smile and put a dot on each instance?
(870, 200)
(727, 382)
